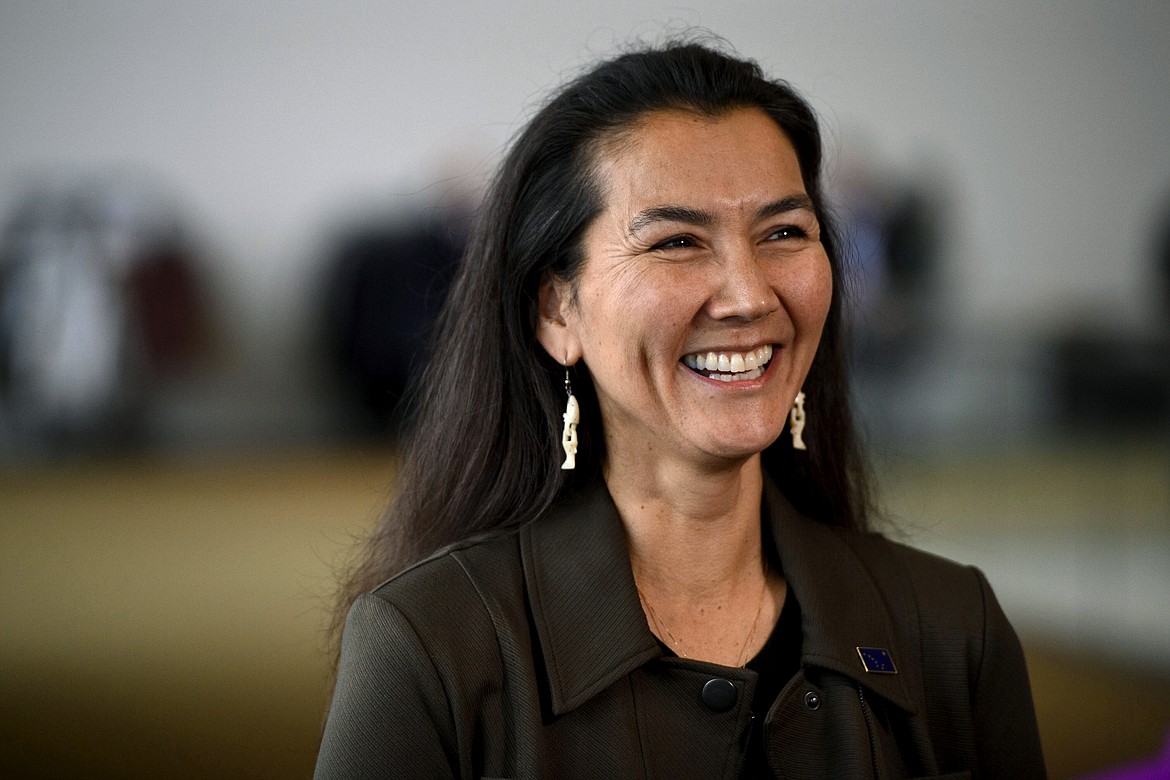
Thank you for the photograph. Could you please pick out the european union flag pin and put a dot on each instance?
(877, 660)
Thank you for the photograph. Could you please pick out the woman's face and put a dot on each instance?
(703, 291)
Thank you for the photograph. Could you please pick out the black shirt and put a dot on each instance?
(777, 662)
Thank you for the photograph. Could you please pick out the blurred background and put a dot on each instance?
(225, 228)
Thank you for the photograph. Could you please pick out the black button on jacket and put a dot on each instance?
(528, 655)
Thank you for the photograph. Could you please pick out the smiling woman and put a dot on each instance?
(707, 244)
(699, 596)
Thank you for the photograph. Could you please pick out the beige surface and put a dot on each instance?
(171, 614)
(165, 618)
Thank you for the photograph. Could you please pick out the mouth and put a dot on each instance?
(730, 366)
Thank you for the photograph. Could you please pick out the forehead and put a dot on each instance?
(683, 156)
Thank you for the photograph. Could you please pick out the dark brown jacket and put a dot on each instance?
(528, 655)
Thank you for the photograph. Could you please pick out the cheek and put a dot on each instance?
(824, 296)
(636, 314)
(809, 294)
(606, 331)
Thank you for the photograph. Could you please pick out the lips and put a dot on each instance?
(730, 366)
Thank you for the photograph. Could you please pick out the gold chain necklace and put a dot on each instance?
(676, 645)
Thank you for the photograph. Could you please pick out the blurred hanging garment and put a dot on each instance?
(386, 287)
(96, 298)
(166, 310)
(63, 325)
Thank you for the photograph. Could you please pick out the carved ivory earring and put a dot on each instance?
(796, 422)
(572, 416)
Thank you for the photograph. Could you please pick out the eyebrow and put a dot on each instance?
(702, 218)
(670, 214)
(791, 203)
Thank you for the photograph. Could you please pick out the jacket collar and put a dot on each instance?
(590, 623)
(584, 602)
(842, 608)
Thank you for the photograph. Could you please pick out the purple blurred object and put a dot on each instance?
(1157, 768)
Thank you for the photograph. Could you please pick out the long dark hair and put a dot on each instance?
(485, 449)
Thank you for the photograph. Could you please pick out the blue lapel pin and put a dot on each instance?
(877, 660)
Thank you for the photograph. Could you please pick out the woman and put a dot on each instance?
(698, 595)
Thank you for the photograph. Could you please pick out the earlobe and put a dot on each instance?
(553, 329)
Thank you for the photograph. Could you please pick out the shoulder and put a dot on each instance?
(453, 597)
(974, 675)
(949, 608)
(874, 547)
(419, 654)
(429, 638)
(951, 592)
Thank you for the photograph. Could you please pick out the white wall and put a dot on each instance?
(267, 118)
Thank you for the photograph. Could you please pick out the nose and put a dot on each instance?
(743, 291)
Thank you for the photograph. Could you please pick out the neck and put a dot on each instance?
(696, 553)
(695, 533)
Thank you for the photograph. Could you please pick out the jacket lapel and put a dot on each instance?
(589, 621)
(842, 608)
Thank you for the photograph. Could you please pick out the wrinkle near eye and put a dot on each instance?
(620, 267)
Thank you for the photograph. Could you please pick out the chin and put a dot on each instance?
(741, 447)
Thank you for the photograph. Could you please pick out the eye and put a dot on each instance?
(675, 242)
(788, 231)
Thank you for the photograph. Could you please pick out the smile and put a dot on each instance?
(730, 366)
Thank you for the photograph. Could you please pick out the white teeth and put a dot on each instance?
(753, 374)
(731, 366)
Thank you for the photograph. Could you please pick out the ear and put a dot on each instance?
(553, 320)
